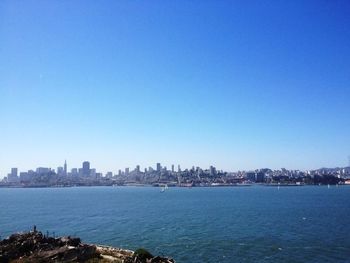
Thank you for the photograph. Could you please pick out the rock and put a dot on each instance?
(35, 247)
(70, 241)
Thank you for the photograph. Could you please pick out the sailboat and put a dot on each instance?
(165, 187)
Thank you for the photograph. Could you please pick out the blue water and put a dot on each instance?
(237, 224)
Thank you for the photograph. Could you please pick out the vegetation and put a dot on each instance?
(142, 255)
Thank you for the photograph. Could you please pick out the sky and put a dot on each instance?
(234, 84)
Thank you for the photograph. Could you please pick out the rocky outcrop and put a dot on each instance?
(35, 247)
(128, 256)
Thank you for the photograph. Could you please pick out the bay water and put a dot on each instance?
(192, 225)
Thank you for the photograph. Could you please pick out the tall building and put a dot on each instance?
(13, 176)
(43, 170)
(137, 169)
(14, 172)
(172, 168)
(179, 168)
(60, 171)
(159, 167)
(86, 168)
(24, 177)
(212, 170)
(126, 171)
(93, 173)
(74, 171)
(65, 167)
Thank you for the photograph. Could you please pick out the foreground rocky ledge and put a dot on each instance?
(35, 247)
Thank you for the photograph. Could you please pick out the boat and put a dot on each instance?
(165, 187)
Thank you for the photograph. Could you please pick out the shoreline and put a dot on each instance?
(175, 186)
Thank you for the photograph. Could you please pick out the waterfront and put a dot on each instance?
(239, 224)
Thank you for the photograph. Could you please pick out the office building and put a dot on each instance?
(60, 171)
(13, 176)
(86, 168)
(74, 171)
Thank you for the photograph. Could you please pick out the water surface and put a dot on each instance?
(226, 224)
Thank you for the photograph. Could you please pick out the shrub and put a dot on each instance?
(142, 255)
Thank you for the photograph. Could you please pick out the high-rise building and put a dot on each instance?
(60, 170)
(13, 176)
(86, 168)
(93, 173)
(172, 168)
(137, 169)
(159, 167)
(14, 171)
(212, 170)
(65, 167)
(179, 168)
(74, 171)
(24, 177)
(43, 170)
(126, 171)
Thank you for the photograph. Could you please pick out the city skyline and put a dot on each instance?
(240, 85)
(85, 168)
(160, 175)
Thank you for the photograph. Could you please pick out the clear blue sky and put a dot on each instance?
(235, 84)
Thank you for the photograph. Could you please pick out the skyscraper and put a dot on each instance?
(159, 167)
(14, 172)
(65, 167)
(86, 168)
